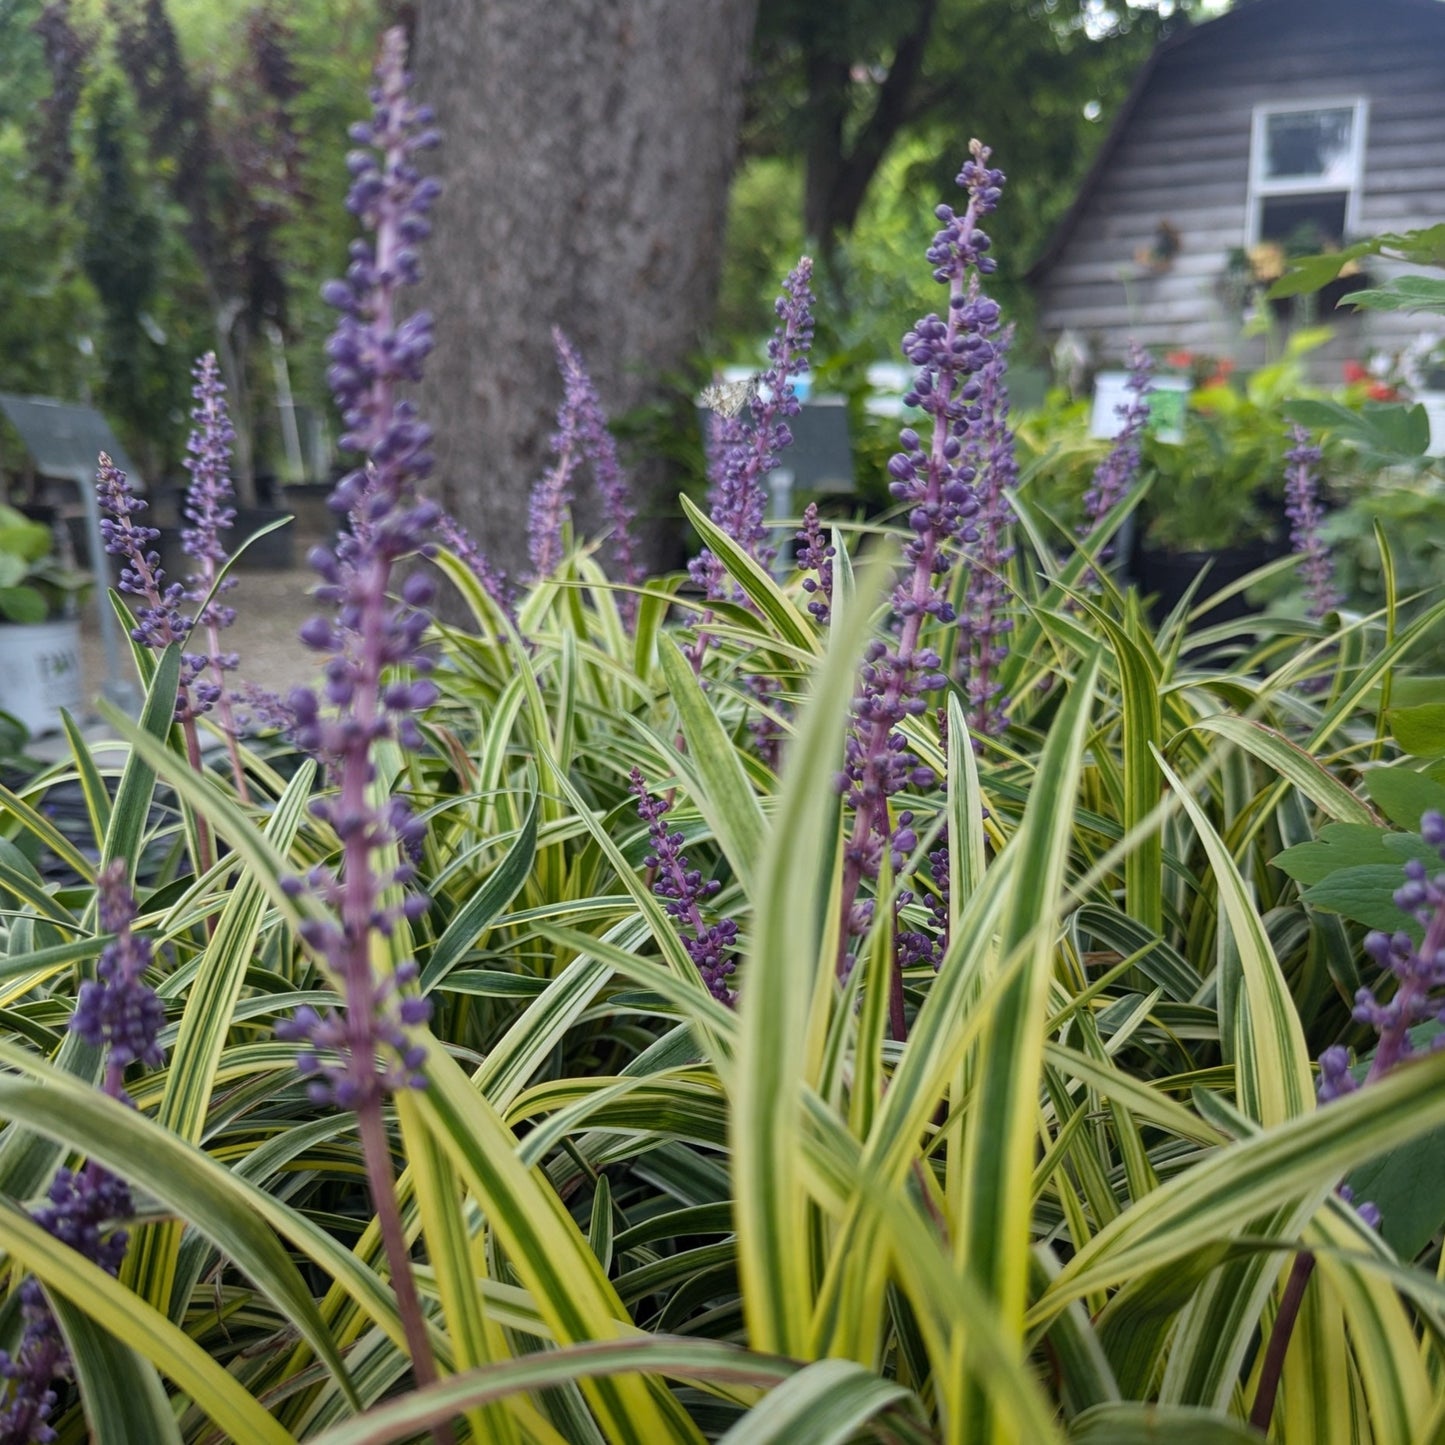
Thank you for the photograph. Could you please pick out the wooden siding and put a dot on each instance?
(1182, 155)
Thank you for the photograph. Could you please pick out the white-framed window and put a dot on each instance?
(1306, 172)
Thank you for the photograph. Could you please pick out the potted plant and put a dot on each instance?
(40, 659)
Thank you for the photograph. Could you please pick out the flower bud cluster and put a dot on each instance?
(325, 1060)
(743, 453)
(985, 622)
(117, 1010)
(1302, 507)
(1419, 970)
(815, 554)
(683, 891)
(80, 1211)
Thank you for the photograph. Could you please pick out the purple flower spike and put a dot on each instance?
(683, 892)
(209, 502)
(1302, 507)
(159, 620)
(815, 554)
(80, 1211)
(985, 623)
(375, 666)
(934, 480)
(117, 1010)
(589, 422)
(460, 542)
(743, 453)
(1419, 977)
(1419, 970)
(551, 500)
(1117, 473)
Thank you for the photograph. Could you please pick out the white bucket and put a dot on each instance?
(40, 672)
(1169, 398)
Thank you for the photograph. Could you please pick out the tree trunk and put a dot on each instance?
(587, 151)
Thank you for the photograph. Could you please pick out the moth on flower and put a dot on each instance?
(728, 398)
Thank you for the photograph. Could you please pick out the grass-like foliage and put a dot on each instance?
(881, 1003)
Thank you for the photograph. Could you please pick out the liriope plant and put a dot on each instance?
(750, 1104)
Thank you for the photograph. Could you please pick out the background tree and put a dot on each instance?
(856, 109)
(587, 157)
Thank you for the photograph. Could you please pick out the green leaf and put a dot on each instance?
(680, 1358)
(726, 798)
(825, 1403)
(1365, 894)
(137, 783)
(22, 605)
(795, 911)
(1408, 1185)
(772, 602)
(1404, 795)
(1350, 845)
(1273, 1058)
(1401, 293)
(1292, 763)
(1419, 730)
(503, 884)
(1142, 1424)
(67, 1272)
(122, 1395)
(1210, 1203)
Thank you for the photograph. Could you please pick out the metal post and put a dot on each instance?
(780, 508)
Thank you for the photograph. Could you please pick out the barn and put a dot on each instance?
(1279, 128)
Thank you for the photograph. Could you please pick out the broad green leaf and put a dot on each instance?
(1419, 730)
(1365, 894)
(1404, 795)
(1349, 845)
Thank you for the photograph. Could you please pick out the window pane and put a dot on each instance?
(1309, 143)
(1303, 224)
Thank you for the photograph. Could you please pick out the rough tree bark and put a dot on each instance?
(588, 146)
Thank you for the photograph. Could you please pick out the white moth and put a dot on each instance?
(728, 398)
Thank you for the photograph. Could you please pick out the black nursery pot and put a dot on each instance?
(1165, 576)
